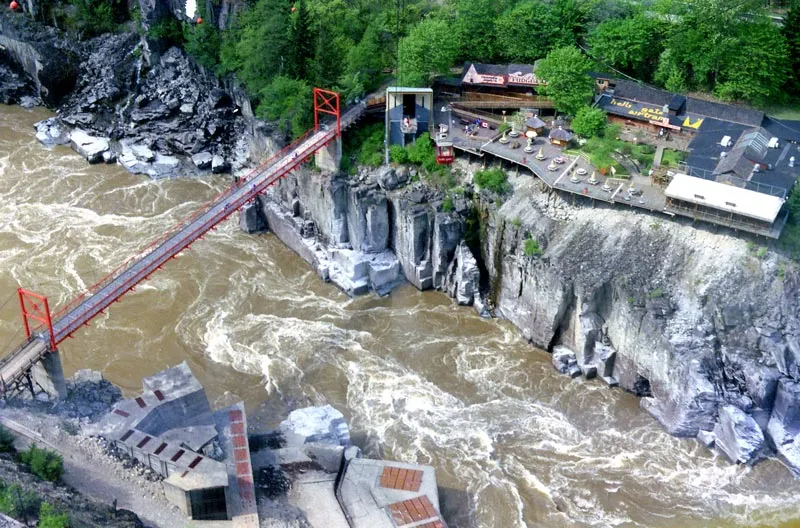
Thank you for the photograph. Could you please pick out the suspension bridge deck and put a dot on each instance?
(94, 301)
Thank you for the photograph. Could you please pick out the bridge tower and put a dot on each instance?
(329, 157)
(47, 373)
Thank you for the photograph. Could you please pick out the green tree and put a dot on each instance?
(589, 122)
(568, 83)
(6, 441)
(90, 18)
(301, 45)
(256, 48)
(760, 68)
(495, 180)
(289, 101)
(572, 17)
(629, 44)
(791, 31)
(202, 41)
(428, 48)
(473, 24)
(525, 33)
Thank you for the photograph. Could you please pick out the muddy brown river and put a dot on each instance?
(420, 379)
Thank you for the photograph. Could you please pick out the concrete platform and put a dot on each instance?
(370, 501)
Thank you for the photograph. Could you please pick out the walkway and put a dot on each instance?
(125, 278)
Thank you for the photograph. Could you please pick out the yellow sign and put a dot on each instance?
(689, 124)
(655, 114)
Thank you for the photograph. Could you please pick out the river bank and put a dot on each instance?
(666, 300)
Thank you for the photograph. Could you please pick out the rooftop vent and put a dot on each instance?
(722, 154)
(726, 141)
(773, 143)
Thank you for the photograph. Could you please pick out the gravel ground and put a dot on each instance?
(94, 473)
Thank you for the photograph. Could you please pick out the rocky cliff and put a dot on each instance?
(121, 98)
(700, 323)
(370, 232)
(703, 324)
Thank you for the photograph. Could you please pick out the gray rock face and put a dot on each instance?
(689, 318)
(563, 359)
(323, 425)
(90, 147)
(251, 219)
(784, 423)
(50, 62)
(462, 281)
(738, 435)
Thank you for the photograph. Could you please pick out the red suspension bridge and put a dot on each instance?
(45, 331)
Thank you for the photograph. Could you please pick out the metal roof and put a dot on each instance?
(725, 197)
(406, 89)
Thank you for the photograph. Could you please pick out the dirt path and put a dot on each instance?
(95, 474)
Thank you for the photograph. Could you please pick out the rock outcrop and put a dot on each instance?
(50, 62)
(690, 317)
(315, 425)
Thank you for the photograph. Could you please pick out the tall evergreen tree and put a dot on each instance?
(791, 30)
(301, 43)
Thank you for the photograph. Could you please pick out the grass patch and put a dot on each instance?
(672, 158)
(50, 518)
(447, 205)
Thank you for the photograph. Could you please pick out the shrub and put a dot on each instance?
(49, 518)
(532, 248)
(44, 463)
(517, 222)
(447, 205)
(398, 154)
(6, 441)
(656, 294)
(168, 30)
(17, 502)
(422, 153)
(761, 252)
(495, 180)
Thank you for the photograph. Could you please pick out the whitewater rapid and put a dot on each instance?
(420, 379)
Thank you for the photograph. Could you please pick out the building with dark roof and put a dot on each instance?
(559, 136)
(501, 75)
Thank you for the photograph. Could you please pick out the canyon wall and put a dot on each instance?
(699, 322)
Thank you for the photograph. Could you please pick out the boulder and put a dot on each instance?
(202, 160)
(706, 438)
(143, 153)
(564, 359)
(51, 132)
(387, 178)
(738, 435)
(323, 425)
(219, 165)
(251, 218)
(90, 147)
(164, 167)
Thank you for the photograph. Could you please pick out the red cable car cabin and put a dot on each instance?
(445, 153)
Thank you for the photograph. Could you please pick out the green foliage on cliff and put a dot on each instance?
(495, 180)
(17, 502)
(6, 441)
(50, 518)
(531, 248)
(43, 463)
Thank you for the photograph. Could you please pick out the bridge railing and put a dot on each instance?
(63, 310)
(187, 238)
